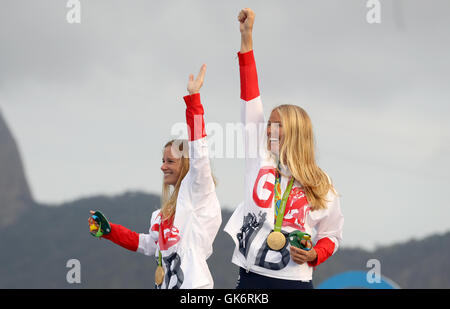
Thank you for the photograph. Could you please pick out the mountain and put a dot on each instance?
(37, 241)
(35, 251)
(15, 195)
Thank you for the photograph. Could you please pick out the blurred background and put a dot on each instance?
(85, 109)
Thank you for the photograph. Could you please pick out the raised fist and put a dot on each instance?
(246, 19)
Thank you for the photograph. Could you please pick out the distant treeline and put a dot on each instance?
(34, 252)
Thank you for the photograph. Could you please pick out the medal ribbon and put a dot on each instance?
(159, 270)
(160, 255)
(277, 191)
(280, 206)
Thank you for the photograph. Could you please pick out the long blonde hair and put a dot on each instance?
(298, 153)
(168, 196)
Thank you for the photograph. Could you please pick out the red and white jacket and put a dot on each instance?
(185, 243)
(253, 220)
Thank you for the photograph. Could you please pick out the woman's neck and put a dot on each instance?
(284, 170)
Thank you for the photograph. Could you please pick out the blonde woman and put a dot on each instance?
(182, 232)
(289, 200)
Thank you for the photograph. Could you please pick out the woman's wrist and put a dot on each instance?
(313, 255)
(246, 42)
(247, 33)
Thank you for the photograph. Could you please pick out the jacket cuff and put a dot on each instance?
(247, 58)
(248, 75)
(123, 237)
(324, 249)
(194, 117)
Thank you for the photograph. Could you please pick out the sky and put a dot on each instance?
(91, 104)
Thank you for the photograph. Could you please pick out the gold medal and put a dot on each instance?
(159, 272)
(276, 240)
(159, 275)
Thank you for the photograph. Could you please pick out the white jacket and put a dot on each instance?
(186, 243)
(253, 220)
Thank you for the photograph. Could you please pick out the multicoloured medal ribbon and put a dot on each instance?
(276, 240)
(159, 273)
(277, 191)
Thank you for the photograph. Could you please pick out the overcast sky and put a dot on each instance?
(92, 104)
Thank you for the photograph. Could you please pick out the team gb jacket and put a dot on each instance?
(253, 219)
(186, 242)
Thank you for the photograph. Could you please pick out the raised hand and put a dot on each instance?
(194, 85)
(246, 19)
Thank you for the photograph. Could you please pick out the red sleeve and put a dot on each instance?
(194, 117)
(123, 237)
(324, 249)
(249, 76)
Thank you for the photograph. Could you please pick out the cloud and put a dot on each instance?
(92, 104)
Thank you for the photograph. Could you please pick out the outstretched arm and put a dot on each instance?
(197, 189)
(252, 114)
(194, 108)
(247, 65)
(128, 239)
(199, 180)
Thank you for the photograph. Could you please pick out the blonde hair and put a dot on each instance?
(297, 152)
(168, 196)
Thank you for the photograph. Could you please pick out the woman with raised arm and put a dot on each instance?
(289, 201)
(182, 232)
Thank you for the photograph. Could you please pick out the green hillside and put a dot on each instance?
(35, 251)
